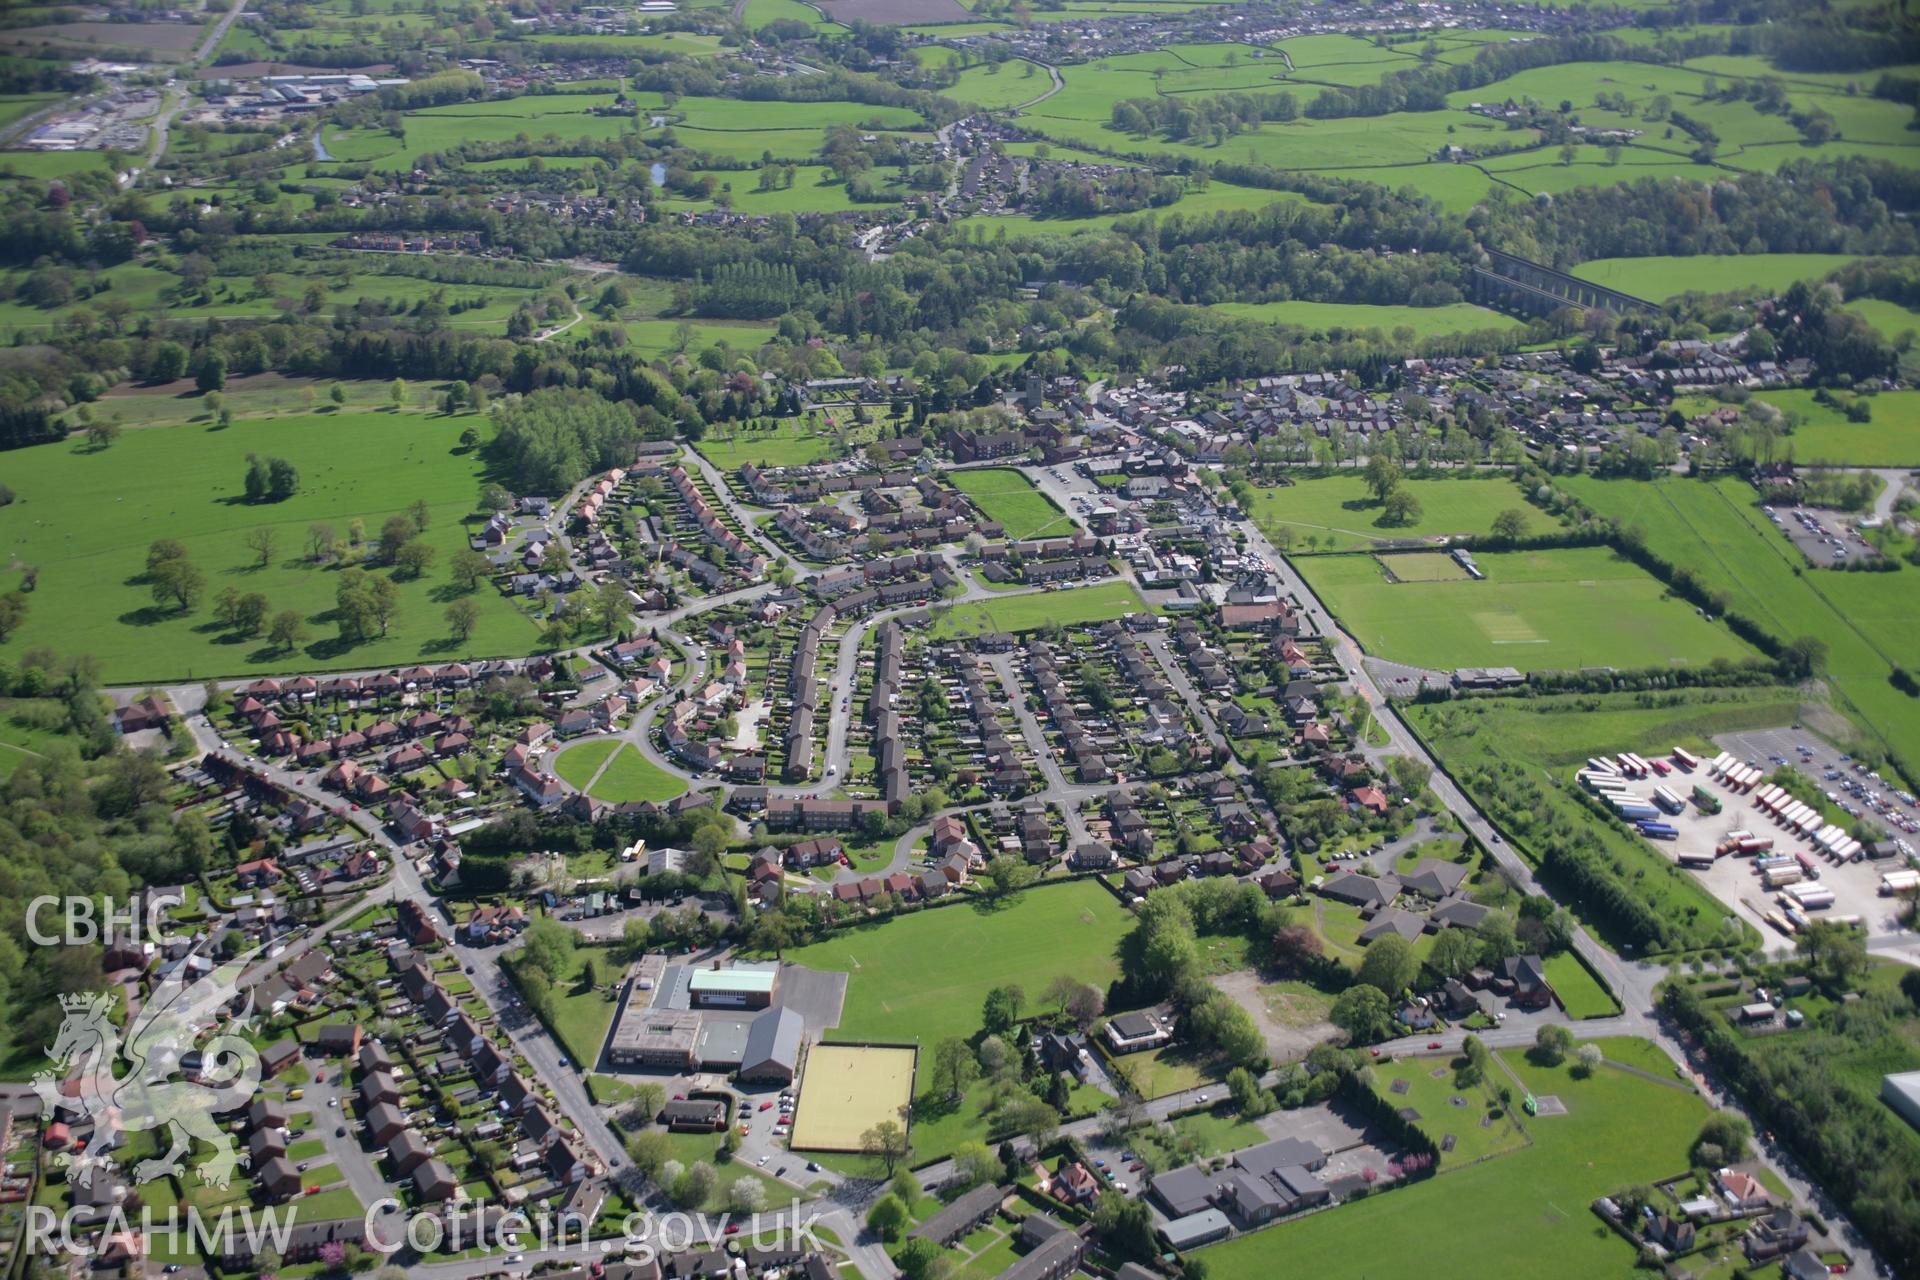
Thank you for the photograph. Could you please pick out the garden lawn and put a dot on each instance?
(895, 996)
(1578, 989)
(630, 777)
(1660, 278)
(1322, 317)
(1007, 495)
(1535, 610)
(1032, 610)
(1528, 1208)
(1339, 511)
(85, 519)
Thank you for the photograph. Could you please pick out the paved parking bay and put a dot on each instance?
(1823, 537)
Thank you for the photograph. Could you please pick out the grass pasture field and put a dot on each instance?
(1660, 278)
(1530, 1204)
(848, 1089)
(84, 519)
(1535, 610)
(1032, 610)
(893, 995)
(1006, 495)
(1716, 528)
(1891, 439)
(1325, 317)
(1338, 513)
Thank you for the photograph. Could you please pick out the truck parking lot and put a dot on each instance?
(1738, 879)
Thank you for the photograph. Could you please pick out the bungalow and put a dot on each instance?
(1360, 890)
(1133, 1032)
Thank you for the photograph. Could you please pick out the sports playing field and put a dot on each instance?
(1536, 610)
(847, 1089)
(1423, 566)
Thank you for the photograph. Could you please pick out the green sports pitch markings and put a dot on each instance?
(1536, 610)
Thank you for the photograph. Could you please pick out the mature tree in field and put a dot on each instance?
(1510, 524)
(1059, 991)
(100, 435)
(1400, 508)
(395, 534)
(289, 630)
(1587, 1059)
(695, 1186)
(415, 557)
(320, 542)
(650, 1148)
(1085, 1005)
(168, 362)
(226, 603)
(1551, 1043)
(887, 1143)
(748, 1195)
(420, 514)
(1362, 1012)
(250, 613)
(469, 569)
(462, 616)
(262, 542)
(1389, 964)
(954, 1066)
(257, 478)
(1723, 1138)
(1454, 952)
(1382, 477)
(888, 1217)
(1003, 876)
(283, 479)
(549, 947)
(397, 393)
(164, 549)
(213, 372)
(177, 582)
(1002, 1008)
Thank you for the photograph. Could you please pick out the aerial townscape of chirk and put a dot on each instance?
(959, 639)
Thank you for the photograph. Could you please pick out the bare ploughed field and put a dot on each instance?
(170, 36)
(896, 13)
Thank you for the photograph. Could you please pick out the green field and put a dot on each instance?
(1032, 610)
(84, 519)
(1715, 528)
(1891, 439)
(630, 777)
(894, 996)
(1578, 989)
(1471, 1115)
(1528, 1207)
(1535, 610)
(1889, 319)
(1339, 514)
(1660, 278)
(576, 765)
(1324, 317)
(790, 444)
(1007, 495)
